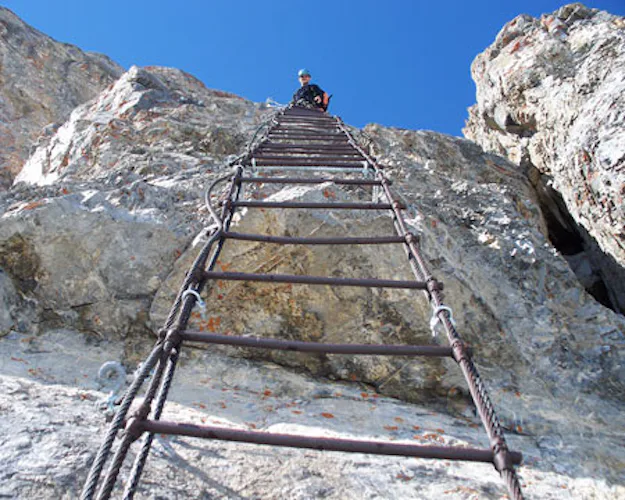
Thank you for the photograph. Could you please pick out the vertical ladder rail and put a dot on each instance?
(502, 460)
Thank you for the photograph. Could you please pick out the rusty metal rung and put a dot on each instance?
(320, 165)
(313, 133)
(303, 124)
(308, 168)
(335, 161)
(316, 205)
(307, 118)
(323, 444)
(273, 146)
(314, 157)
(318, 347)
(287, 240)
(335, 138)
(304, 180)
(316, 280)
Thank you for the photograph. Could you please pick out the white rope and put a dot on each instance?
(272, 103)
(435, 320)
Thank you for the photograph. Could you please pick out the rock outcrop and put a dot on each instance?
(551, 97)
(41, 82)
(103, 220)
(137, 157)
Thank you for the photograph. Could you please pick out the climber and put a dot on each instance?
(309, 95)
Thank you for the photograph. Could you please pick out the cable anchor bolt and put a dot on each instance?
(113, 375)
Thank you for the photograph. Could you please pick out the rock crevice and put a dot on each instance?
(550, 98)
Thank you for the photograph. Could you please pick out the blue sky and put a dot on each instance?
(395, 62)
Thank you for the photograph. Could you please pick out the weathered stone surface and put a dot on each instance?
(150, 123)
(41, 82)
(51, 430)
(120, 198)
(99, 228)
(551, 97)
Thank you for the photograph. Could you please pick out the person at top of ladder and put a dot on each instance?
(309, 95)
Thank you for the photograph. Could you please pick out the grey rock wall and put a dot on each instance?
(104, 219)
(41, 82)
(550, 97)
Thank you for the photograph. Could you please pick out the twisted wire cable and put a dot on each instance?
(128, 438)
(476, 386)
(105, 447)
(201, 258)
(139, 463)
(182, 320)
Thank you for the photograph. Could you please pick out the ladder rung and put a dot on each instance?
(304, 151)
(332, 139)
(291, 155)
(323, 444)
(294, 162)
(299, 346)
(301, 131)
(315, 205)
(311, 134)
(302, 122)
(321, 180)
(316, 280)
(307, 147)
(314, 115)
(313, 129)
(309, 168)
(287, 240)
(306, 117)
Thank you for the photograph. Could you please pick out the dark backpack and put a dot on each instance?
(308, 94)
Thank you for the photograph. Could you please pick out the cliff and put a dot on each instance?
(550, 97)
(105, 216)
(41, 82)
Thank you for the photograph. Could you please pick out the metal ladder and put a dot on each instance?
(312, 143)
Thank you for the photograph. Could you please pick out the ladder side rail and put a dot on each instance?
(174, 337)
(477, 389)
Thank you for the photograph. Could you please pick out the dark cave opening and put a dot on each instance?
(575, 244)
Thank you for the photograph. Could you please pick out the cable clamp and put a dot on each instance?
(502, 459)
(198, 301)
(435, 320)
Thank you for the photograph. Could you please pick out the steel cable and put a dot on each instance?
(105, 447)
(477, 388)
(139, 463)
(128, 438)
(182, 320)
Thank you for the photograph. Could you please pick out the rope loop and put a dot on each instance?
(435, 320)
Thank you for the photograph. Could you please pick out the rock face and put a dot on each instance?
(41, 82)
(137, 157)
(551, 97)
(104, 219)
